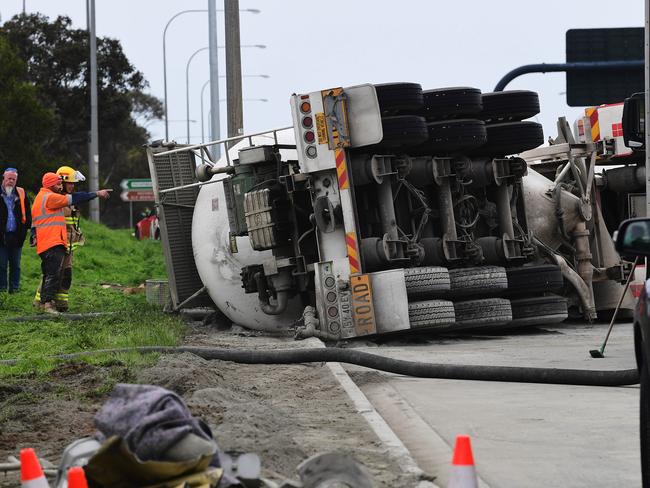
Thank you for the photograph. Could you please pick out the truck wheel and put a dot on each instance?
(486, 312)
(551, 309)
(399, 98)
(479, 280)
(403, 130)
(431, 313)
(447, 103)
(509, 105)
(534, 279)
(452, 136)
(426, 280)
(511, 138)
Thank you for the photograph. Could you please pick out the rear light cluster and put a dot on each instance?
(307, 122)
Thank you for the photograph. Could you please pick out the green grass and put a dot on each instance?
(109, 257)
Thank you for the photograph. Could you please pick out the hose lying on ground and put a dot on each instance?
(409, 368)
(61, 316)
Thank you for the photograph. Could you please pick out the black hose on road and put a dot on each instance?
(553, 376)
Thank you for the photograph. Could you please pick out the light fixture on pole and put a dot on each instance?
(250, 10)
(187, 81)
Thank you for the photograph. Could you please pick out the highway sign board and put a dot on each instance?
(137, 196)
(136, 184)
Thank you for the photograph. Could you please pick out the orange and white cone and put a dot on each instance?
(31, 473)
(463, 472)
(77, 478)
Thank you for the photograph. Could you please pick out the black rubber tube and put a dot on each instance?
(550, 376)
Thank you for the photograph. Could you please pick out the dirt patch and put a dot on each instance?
(284, 413)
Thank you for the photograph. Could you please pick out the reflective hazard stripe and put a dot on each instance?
(353, 252)
(50, 224)
(21, 196)
(44, 215)
(592, 113)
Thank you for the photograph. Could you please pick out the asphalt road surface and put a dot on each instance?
(522, 434)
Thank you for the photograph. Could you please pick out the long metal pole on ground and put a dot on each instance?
(234, 102)
(93, 163)
(214, 76)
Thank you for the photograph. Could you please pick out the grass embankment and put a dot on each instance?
(109, 257)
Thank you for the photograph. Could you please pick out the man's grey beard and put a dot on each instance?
(9, 190)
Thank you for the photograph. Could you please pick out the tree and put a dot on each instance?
(26, 126)
(57, 58)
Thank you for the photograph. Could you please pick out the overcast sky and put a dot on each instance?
(317, 45)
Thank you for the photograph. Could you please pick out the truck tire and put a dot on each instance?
(403, 131)
(487, 312)
(427, 281)
(534, 279)
(447, 103)
(453, 136)
(511, 138)
(431, 314)
(480, 280)
(509, 105)
(399, 98)
(550, 309)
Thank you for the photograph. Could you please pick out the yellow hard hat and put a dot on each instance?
(69, 175)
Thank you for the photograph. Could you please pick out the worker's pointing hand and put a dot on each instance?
(105, 194)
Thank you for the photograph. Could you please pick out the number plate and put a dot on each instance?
(362, 307)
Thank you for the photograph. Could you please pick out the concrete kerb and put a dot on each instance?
(396, 449)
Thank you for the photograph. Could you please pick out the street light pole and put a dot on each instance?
(214, 75)
(250, 10)
(93, 159)
(187, 82)
(187, 90)
(203, 90)
(202, 118)
(165, 63)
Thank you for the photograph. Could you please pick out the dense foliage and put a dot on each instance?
(45, 116)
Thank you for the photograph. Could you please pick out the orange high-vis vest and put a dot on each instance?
(49, 220)
(21, 195)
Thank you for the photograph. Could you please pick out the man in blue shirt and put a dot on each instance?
(15, 221)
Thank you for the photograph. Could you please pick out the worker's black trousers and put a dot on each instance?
(51, 267)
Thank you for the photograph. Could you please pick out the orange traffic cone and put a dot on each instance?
(463, 473)
(31, 473)
(77, 478)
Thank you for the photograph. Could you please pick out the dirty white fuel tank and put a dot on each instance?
(218, 267)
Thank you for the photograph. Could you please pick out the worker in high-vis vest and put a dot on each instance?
(48, 219)
(69, 177)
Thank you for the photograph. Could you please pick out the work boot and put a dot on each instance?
(49, 307)
(61, 305)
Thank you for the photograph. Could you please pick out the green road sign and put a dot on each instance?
(136, 184)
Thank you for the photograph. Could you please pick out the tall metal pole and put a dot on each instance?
(165, 64)
(93, 163)
(187, 89)
(234, 102)
(202, 117)
(214, 76)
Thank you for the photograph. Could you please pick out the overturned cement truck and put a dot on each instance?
(387, 208)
